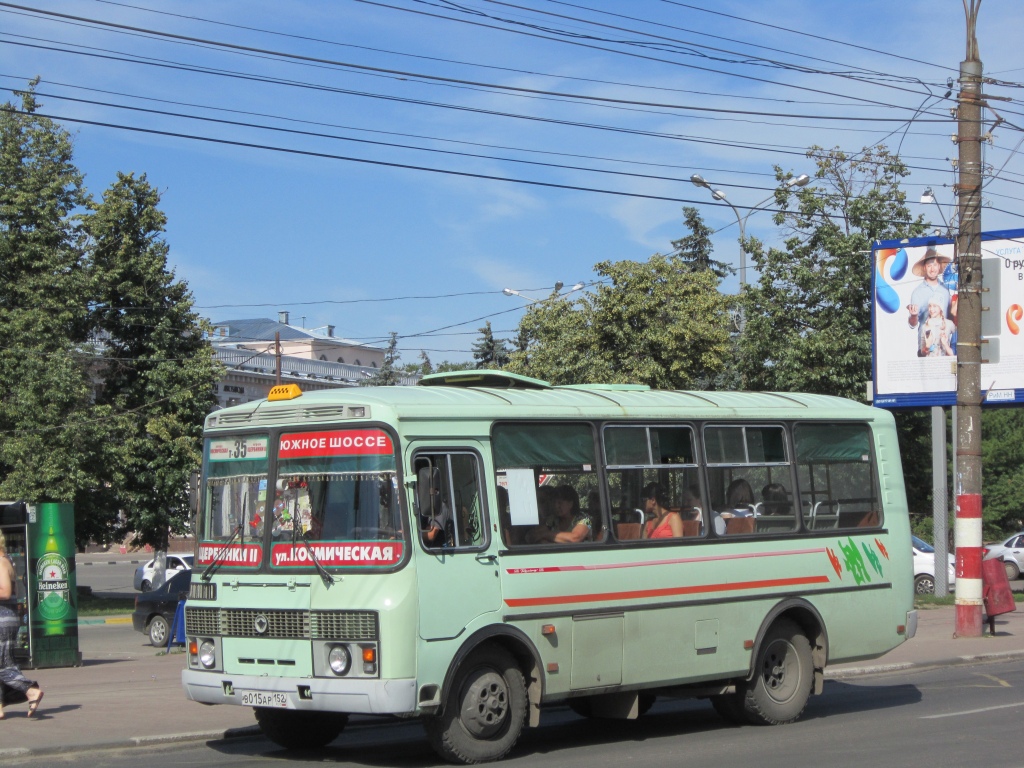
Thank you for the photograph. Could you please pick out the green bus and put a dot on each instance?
(483, 545)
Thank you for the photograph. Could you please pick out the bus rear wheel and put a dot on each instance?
(484, 710)
(783, 676)
(296, 729)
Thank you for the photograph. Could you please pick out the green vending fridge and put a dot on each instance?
(41, 542)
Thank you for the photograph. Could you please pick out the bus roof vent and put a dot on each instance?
(482, 378)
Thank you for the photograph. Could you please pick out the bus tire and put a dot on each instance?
(484, 710)
(297, 729)
(783, 676)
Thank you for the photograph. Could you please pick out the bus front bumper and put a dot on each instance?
(369, 697)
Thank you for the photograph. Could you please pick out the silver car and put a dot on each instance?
(1011, 552)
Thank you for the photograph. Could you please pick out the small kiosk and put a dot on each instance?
(41, 544)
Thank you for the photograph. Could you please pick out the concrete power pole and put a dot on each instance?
(967, 477)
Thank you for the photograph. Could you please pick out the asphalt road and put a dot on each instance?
(936, 717)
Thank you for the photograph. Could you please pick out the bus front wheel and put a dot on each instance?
(295, 729)
(484, 710)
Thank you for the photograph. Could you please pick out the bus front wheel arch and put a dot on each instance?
(484, 708)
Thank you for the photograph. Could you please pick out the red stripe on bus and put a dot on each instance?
(639, 594)
(674, 561)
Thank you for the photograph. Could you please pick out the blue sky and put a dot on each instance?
(675, 88)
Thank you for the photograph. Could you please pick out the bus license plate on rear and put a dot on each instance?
(260, 699)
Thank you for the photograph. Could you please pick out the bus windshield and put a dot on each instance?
(336, 486)
(235, 498)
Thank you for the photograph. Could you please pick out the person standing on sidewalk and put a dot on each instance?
(11, 678)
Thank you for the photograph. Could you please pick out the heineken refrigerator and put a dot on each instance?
(41, 545)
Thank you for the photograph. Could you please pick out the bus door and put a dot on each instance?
(458, 578)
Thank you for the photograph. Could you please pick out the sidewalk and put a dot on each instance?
(115, 701)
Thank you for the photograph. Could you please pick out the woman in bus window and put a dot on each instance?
(662, 523)
(572, 525)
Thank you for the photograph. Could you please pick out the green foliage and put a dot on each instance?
(48, 431)
(695, 249)
(1002, 460)
(446, 366)
(388, 375)
(808, 318)
(105, 372)
(158, 371)
(489, 352)
(657, 322)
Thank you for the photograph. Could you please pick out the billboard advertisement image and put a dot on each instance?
(914, 320)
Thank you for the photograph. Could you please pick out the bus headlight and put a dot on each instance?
(207, 654)
(339, 659)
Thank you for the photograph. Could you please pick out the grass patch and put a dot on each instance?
(89, 605)
(931, 601)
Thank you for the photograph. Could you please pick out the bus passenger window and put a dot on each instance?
(838, 487)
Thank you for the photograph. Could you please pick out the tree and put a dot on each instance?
(655, 322)
(422, 368)
(488, 351)
(695, 249)
(47, 424)
(387, 375)
(105, 373)
(157, 370)
(808, 318)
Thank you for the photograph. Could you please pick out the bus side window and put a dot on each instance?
(448, 500)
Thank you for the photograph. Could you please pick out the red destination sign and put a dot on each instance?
(343, 442)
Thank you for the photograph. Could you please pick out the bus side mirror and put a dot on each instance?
(193, 492)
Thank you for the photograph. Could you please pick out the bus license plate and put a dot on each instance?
(260, 699)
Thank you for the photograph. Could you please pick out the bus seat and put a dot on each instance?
(691, 527)
(627, 531)
(739, 525)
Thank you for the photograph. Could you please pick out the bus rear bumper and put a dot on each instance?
(369, 697)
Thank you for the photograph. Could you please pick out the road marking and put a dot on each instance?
(972, 711)
(1001, 682)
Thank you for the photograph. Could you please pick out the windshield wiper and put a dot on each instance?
(220, 555)
(325, 576)
(239, 531)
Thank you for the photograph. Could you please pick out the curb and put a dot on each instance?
(976, 658)
(106, 620)
(231, 734)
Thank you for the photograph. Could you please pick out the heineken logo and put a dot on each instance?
(52, 586)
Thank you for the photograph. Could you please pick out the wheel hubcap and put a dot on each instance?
(484, 704)
(780, 672)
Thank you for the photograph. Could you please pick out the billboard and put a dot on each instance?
(914, 315)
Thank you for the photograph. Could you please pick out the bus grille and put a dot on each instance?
(344, 625)
(320, 625)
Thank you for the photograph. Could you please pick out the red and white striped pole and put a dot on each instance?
(969, 602)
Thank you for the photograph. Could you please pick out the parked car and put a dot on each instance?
(1011, 552)
(144, 574)
(154, 610)
(924, 568)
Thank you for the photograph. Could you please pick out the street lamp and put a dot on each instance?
(699, 181)
(558, 287)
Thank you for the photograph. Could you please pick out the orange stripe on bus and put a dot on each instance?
(639, 594)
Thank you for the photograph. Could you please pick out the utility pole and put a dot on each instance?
(277, 358)
(967, 477)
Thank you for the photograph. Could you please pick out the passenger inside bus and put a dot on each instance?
(571, 525)
(435, 517)
(739, 503)
(662, 523)
(776, 499)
